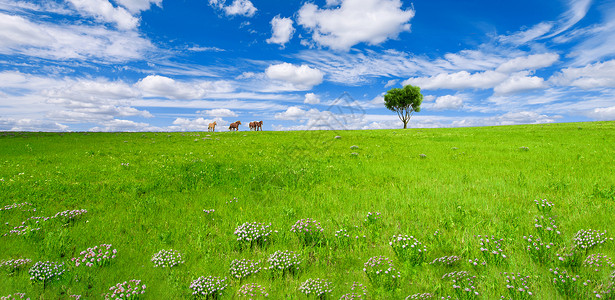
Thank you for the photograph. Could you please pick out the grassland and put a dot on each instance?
(144, 192)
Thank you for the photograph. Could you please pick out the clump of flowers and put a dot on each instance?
(131, 289)
(477, 263)
(354, 147)
(423, 155)
(547, 228)
(308, 231)
(252, 290)
(463, 284)
(17, 205)
(517, 286)
(565, 283)
(355, 293)
(316, 287)
(445, 260)
(596, 261)
(70, 215)
(253, 233)
(372, 217)
(342, 237)
(95, 256)
(46, 270)
(544, 206)
(209, 211)
(283, 262)
(419, 296)
(587, 239)
(491, 248)
(538, 250)
(167, 258)
(570, 257)
(14, 265)
(232, 200)
(381, 272)
(210, 286)
(408, 248)
(242, 268)
(14, 296)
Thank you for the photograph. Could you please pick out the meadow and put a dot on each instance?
(515, 212)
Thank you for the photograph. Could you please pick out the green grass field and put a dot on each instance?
(145, 192)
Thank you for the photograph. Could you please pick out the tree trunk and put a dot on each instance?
(405, 124)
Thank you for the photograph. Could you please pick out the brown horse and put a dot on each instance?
(258, 125)
(252, 125)
(212, 126)
(234, 126)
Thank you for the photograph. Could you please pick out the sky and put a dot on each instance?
(178, 65)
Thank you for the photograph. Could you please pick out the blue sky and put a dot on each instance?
(161, 65)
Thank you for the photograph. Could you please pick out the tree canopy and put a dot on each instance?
(404, 102)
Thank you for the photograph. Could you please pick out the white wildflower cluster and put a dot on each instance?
(597, 261)
(565, 283)
(70, 215)
(14, 296)
(517, 286)
(587, 239)
(463, 284)
(477, 263)
(307, 230)
(209, 211)
(284, 262)
(316, 287)
(46, 270)
(131, 289)
(13, 265)
(357, 291)
(354, 147)
(547, 228)
(419, 296)
(253, 233)
(538, 250)
(408, 248)
(17, 205)
(242, 268)
(95, 256)
(544, 206)
(381, 272)
(251, 291)
(491, 248)
(167, 258)
(445, 260)
(372, 217)
(209, 286)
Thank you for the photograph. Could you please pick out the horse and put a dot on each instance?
(212, 126)
(252, 125)
(258, 125)
(234, 126)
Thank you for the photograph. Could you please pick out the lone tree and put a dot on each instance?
(404, 102)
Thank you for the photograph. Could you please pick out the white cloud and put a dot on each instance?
(292, 113)
(219, 112)
(19, 35)
(136, 6)
(519, 82)
(237, 7)
(282, 30)
(199, 124)
(161, 86)
(355, 21)
(311, 98)
(460, 80)
(602, 113)
(205, 49)
(531, 62)
(451, 102)
(598, 75)
(510, 118)
(104, 11)
(527, 35)
(9, 124)
(297, 77)
(391, 83)
(124, 125)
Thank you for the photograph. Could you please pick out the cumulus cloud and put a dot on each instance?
(311, 98)
(297, 77)
(602, 113)
(510, 118)
(10, 124)
(124, 125)
(292, 113)
(165, 87)
(219, 112)
(354, 22)
(448, 102)
(104, 11)
(282, 30)
(531, 62)
(519, 82)
(460, 80)
(136, 6)
(597, 75)
(237, 7)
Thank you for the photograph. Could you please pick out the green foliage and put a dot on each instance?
(404, 102)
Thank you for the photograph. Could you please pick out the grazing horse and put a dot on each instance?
(258, 125)
(234, 126)
(212, 126)
(252, 125)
